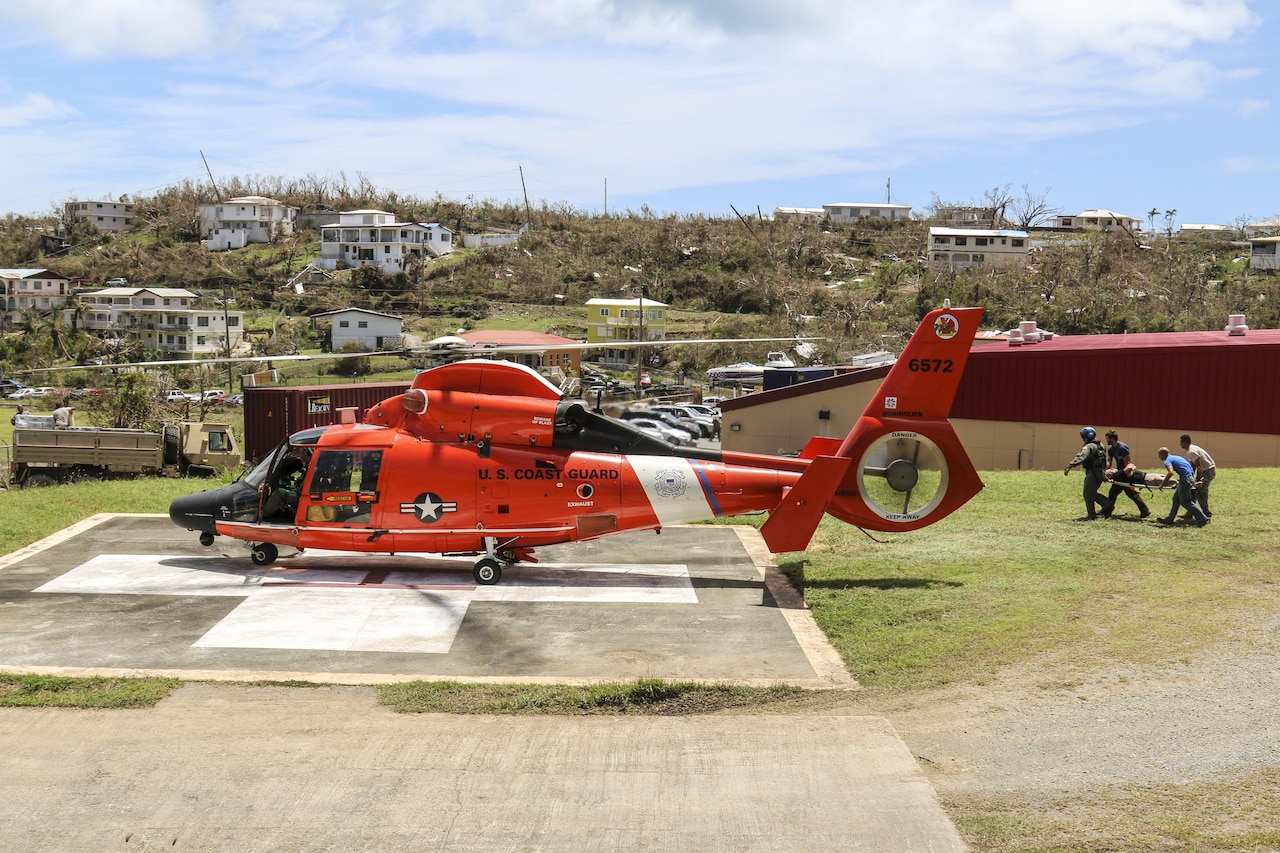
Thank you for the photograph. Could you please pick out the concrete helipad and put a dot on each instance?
(240, 767)
(133, 593)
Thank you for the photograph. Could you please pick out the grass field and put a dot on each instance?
(1012, 576)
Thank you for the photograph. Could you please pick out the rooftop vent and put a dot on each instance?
(1236, 324)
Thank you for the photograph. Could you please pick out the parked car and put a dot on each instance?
(688, 417)
(213, 398)
(117, 282)
(8, 386)
(32, 393)
(656, 428)
(235, 400)
(176, 396)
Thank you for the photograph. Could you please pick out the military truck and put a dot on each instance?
(43, 456)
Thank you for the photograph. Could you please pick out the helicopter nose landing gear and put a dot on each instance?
(263, 554)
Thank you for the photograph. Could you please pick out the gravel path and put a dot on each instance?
(1052, 729)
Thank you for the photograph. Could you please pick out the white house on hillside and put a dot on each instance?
(30, 290)
(1262, 254)
(370, 330)
(959, 248)
(172, 319)
(800, 214)
(1102, 220)
(1266, 228)
(848, 212)
(374, 238)
(105, 215)
(237, 222)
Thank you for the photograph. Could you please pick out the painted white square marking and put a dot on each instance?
(336, 601)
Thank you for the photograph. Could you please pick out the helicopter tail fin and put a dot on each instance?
(902, 466)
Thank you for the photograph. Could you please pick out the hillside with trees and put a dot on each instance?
(860, 287)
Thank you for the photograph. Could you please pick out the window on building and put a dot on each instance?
(199, 340)
(941, 240)
(148, 300)
(962, 241)
(1018, 242)
(344, 324)
(979, 241)
(604, 312)
(233, 322)
(362, 324)
(202, 321)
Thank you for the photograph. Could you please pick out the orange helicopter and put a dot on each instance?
(487, 458)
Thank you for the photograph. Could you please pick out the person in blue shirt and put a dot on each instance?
(1184, 494)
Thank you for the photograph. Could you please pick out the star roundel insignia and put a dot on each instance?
(428, 507)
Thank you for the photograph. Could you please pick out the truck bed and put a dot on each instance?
(125, 450)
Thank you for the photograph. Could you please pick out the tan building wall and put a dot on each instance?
(781, 426)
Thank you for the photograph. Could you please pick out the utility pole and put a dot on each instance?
(528, 211)
(640, 349)
(227, 293)
(217, 195)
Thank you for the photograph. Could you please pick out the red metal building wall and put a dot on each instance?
(272, 414)
(1195, 381)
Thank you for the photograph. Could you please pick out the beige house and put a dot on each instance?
(36, 290)
(171, 319)
(961, 248)
(104, 215)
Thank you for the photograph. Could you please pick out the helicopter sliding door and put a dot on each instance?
(343, 487)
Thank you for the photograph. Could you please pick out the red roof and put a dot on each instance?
(513, 337)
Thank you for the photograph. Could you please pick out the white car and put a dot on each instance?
(30, 393)
(654, 427)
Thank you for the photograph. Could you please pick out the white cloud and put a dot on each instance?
(32, 108)
(653, 94)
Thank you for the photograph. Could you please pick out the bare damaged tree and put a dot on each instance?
(999, 199)
(1031, 209)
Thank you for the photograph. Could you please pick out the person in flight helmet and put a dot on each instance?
(1093, 459)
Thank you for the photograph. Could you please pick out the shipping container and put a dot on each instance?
(273, 414)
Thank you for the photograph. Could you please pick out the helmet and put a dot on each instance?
(1088, 433)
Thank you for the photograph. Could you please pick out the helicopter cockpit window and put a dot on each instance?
(344, 484)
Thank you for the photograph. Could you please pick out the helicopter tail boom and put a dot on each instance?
(901, 467)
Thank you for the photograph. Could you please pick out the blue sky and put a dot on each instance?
(686, 106)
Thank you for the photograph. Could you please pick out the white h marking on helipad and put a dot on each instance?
(325, 600)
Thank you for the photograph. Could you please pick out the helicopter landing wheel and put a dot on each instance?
(206, 539)
(264, 554)
(487, 571)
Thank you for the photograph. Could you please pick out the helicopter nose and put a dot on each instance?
(197, 512)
